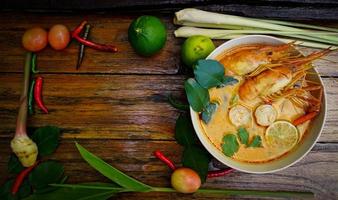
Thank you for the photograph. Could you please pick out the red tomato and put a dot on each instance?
(58, 37)
(34, 39)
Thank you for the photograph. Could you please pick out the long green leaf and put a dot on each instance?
(228, 192)
(74, 194)
(112, 173)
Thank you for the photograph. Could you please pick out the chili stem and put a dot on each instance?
(34, 64)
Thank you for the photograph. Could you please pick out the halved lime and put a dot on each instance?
(282, 134)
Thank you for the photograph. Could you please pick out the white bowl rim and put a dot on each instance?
(210, 147)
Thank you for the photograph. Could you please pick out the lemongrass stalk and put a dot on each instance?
(21, 144)
(203, 17)
(218, 34)
(224, 31)
(205, 25)
(300, 25)
(245, 192)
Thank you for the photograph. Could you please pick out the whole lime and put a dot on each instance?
(196, 47)
(147, 35)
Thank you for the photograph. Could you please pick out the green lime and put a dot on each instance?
(196, 47)
(147, 35)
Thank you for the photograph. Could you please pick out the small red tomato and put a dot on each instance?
(34, 39)
(58, 37)
(185, 180)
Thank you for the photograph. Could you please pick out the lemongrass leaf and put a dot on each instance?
(111, 172)
(74, 193)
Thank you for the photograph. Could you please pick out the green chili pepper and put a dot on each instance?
(82, 47)
(33, 64)
(31, 98)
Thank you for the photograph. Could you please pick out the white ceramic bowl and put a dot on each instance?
(289, 159)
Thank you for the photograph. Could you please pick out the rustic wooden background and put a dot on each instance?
(116, 107)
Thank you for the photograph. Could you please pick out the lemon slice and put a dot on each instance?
(265, 114)
(239, 115)
(282, 134)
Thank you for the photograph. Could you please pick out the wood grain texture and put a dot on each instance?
(106, 29)
(109, 29)
(116, 106)
(281, 9)
(135, 158)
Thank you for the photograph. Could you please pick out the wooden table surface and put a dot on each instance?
(116, 106)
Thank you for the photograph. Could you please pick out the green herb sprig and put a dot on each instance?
(230, 143)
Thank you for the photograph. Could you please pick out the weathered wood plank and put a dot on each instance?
(116, 106)
(317, 172)
(282, 9)
(110, 29)
(107, 29)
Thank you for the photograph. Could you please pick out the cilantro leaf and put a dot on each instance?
(256, 141)
(230, 145)
(243, 136)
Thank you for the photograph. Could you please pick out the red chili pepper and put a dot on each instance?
(94, 45)
(38, 94)
(218, 173)
(164, 159)
(305, 118)
(21, 176)
(172, 166)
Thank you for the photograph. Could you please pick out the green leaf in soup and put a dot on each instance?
(14, 165)
(197, 159)
(46, 173)
(112, 173)
(209, 73)
(184, 131)
(230, 145)
(256, 141)
(228, 80)
(243, 135)
(208, 112)
(47, 139)
(198, 96)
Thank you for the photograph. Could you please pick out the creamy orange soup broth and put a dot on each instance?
(220, 125)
